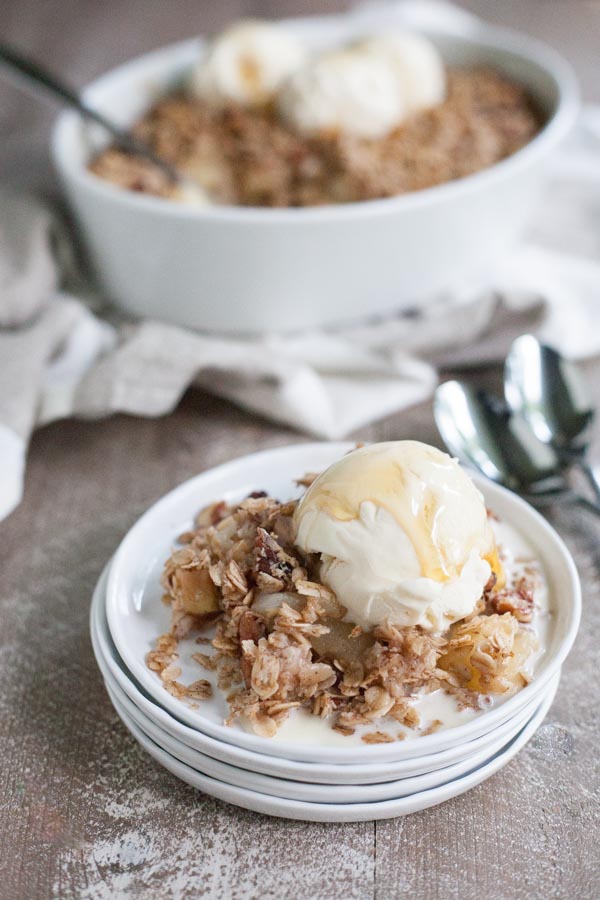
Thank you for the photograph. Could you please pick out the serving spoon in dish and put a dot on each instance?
(485, 434)
(36, 74)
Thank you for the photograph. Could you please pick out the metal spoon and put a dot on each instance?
(483, 433)
(551, 395)
(45, 79)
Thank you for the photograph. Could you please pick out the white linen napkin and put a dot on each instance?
(59, 359)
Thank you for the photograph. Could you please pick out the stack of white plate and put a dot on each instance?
(297, 774)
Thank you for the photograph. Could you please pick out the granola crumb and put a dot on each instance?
(206, 661)
(377, 737)
(432, 727)
(199, 690)
(307, 479)
(344, 729)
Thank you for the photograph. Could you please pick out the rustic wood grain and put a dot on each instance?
(85, 813)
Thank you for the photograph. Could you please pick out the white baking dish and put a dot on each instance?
(233, 269)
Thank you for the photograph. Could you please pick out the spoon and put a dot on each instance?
(45, 79)
(483, 433)
(551, 395)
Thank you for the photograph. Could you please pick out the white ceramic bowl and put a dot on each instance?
(336, 812)
(121, 684)
(322, 793)
(232, 269)
(136, 615)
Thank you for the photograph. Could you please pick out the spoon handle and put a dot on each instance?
(45, 79)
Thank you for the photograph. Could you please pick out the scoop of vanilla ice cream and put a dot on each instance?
(419, 67)
(352, 91)
(403, 535)
(247, 64)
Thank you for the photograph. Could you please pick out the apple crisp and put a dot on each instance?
(250, 157)
(279, 639)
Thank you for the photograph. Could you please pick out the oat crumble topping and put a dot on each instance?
(249, 157)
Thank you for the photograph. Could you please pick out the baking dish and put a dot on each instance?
(250, 270)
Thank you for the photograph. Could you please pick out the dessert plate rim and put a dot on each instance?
(343, 812)
(126, 586)
(114, 672)
(315, 793)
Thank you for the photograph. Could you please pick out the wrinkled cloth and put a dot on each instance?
(61, 355)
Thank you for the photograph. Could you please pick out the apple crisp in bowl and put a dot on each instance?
(385, 601)
(362, 171)
(264, 123)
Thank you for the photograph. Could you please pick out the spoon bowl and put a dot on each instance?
(550, 394)
(483, 433)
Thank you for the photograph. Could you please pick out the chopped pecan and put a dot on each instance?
(517, 600)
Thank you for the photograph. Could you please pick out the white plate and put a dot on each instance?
(136, 615)
(119, 678)
(340, 812)
(314, 793)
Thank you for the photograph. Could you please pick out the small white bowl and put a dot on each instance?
(324, 793)
(234, 269)
(136, 615)
(337, 812)
(120, 683)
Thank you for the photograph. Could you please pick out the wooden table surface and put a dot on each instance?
(85, 813)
